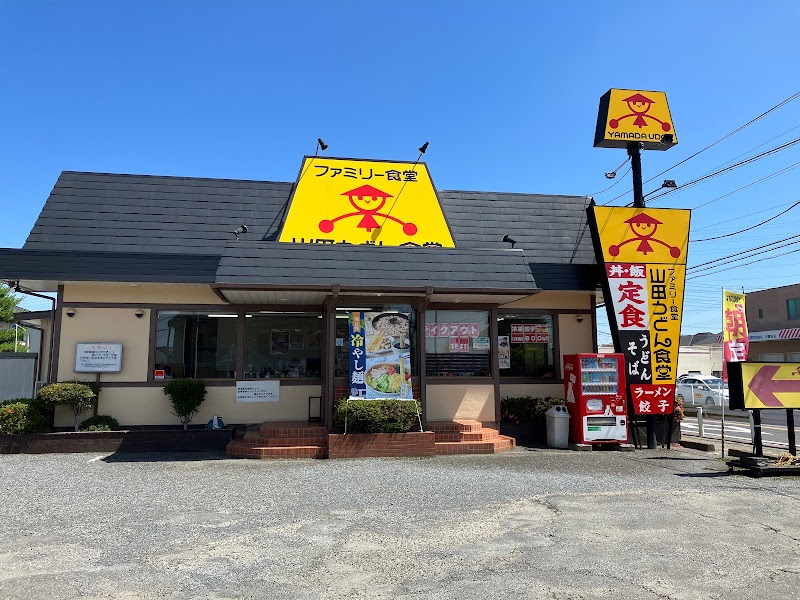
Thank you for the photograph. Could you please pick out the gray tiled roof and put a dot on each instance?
(107, 227)
(190, 215)
(376, 266)
(61, 265)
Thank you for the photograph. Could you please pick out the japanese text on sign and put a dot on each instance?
(451, 329)
(530, 333)
(98, 358)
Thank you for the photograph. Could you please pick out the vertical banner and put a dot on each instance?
(380, 355)
(735, 339)
(358, 361)
(643, 253)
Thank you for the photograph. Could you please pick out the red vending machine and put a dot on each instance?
(594, 389)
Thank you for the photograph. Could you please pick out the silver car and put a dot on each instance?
(705, 390)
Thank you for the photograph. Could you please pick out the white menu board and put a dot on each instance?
(98, 357)
(262, 390)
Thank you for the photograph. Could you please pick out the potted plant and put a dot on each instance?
(186, 396)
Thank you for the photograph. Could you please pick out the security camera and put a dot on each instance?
(579, 318)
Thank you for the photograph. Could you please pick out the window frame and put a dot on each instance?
(558, 376)
(793, 305)
(456, 379)
(286, 311)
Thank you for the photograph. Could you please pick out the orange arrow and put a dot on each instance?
(765, 387)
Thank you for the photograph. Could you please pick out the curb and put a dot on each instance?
(704, 446)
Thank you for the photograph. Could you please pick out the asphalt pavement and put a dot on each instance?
(526, 524)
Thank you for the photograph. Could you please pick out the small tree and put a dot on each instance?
(8, 332)
(186, 396)
(77, 396)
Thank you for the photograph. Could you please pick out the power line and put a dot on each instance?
(743, 252)
(727, 169)
(749, 185)
(758, 212)
(745, 264)
(752, 254)
(719, 237)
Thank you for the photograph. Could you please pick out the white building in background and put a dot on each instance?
(700, 353)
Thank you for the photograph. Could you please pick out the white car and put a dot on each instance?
(705, 390)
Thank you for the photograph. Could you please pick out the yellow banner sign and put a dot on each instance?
(735, 341)
(353, 201)
(643, 252)
(634, 116)
(765, 385)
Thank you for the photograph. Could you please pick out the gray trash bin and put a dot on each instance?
(557, 418)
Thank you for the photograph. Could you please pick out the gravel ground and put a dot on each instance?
(526, 524)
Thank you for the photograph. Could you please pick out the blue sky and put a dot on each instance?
(505, 92)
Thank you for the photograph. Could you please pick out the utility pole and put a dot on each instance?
(634, 151)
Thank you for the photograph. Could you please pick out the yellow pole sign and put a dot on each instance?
(643, 252)
(634, 116)
(756, 385)
(351, 201)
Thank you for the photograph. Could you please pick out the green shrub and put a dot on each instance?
(186, 396)
(526, 409)
(21, 415)
(78, 396)
(100, 423)
(378, 416)
(92, 385)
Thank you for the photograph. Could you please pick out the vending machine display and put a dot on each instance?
(594, 388)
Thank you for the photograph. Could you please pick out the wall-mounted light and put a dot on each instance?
(509, 240)
(239, 230)
(70, 312)
(139, 313)
(423, 148)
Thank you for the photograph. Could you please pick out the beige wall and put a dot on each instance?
(535, 390)
(144, 293)
(106, 325)
(783, 347)
(552, 300)
(447, 402)
(149, 406)
(575, 337)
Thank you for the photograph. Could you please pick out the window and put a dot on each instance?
(457, 343)
(342, 368)
(760, 313)
(196, 345)
(793, 308)
(282, 345)
(526, 346)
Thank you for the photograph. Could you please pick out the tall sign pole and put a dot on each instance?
(638, 202)
(629, 119)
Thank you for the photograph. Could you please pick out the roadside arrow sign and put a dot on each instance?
(764, 385)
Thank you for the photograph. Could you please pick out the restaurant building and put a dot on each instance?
(253, 281)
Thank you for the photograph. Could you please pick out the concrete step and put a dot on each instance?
(237, 449)
(256, 438)
(500, 444)
(461, 425)
(483, 435)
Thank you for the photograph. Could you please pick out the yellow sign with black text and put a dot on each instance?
(634, 116)
(352, 201)
(643, 252)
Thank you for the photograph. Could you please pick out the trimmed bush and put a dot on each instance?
(78, 396)
(186, 396)
(21, 415)
(526, 409)
(378, 416)
(100, 423)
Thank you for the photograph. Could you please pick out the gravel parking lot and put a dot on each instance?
(526, 524)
